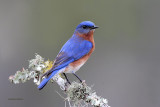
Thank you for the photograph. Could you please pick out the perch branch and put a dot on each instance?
(77, 94)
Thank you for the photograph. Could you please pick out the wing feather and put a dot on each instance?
(72, 50)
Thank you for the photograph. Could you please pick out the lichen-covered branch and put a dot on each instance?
(77, 94)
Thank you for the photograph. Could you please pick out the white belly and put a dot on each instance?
(71, 69)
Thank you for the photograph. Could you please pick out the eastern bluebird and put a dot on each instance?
(74, 53)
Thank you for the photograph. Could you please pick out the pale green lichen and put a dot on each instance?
(37, 64)
(80, 92)
(20, 76)
(37, 67)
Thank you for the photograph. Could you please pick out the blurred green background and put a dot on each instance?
(124, 68)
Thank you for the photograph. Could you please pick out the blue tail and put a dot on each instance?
(45, 81)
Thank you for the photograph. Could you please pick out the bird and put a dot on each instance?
(74, 53)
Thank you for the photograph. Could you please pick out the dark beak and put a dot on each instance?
(94, 27)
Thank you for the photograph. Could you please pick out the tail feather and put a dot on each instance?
(45, 81)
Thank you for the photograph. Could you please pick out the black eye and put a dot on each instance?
(84, 26)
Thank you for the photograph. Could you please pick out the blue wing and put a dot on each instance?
(75, 48)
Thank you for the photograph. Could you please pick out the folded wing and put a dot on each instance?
(73, 49)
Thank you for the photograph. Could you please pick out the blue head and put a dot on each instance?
(85, 27)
